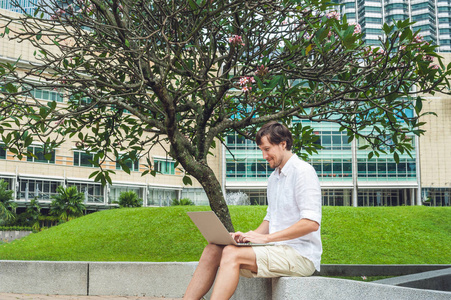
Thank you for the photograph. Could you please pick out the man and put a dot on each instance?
(292, 222)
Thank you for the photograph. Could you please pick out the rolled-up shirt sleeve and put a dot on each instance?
(308, 195)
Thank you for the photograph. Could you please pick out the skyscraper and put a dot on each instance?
(432, 17)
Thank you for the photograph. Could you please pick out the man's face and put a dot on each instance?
(274, 154)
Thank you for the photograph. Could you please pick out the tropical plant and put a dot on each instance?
(33, 211)
(7, 206)
(68, 203)
(183, 74)
(129, 199)
(183, 201)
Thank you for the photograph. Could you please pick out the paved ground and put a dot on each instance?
(8, 296)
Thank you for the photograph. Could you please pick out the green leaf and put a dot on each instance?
(187, 180)
(396, 157)
(418, 105)
(192, 4)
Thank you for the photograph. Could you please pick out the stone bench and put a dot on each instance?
(169, 280)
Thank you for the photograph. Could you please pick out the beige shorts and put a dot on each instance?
(279, 261)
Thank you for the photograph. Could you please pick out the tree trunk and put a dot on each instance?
(207, 178)
(213, 190)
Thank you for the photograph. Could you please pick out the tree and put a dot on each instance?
(32, 214)
(185, 73)
(68, 203)
(129, 199)
(7, 206)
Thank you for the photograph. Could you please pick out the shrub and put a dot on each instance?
(183, 201)
(129, 199)
(67, 204)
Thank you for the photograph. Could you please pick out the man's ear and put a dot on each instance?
(284, 145)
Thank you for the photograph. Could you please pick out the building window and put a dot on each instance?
(38, 155)
(84, 159)
(93, 192)
(47, 95)
(333, 140)
(9, 180)
(386, 167)
(115, 192)
(2, 152)
(132, 165)
(248, 167)
(436, 196)
(37, 188)
(164, 166)
(160, 197)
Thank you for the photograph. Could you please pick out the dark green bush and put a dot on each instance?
(183, 201)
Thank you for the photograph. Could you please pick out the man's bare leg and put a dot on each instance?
(233, 259)
(205, 273)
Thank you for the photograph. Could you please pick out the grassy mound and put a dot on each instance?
(366, 235)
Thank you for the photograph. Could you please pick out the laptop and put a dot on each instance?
(213, 230)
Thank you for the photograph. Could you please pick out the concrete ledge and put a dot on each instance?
(433, 280)
(169, 280)
(43, 277)
(376, 270)
(251, 289)
(323, 288)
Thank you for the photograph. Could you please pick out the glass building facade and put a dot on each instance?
(432, 17)
(343, 171)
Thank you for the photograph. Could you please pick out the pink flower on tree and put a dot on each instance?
(428, 58)
(236, 40)
(246, 83)
(381, 52)
(433, 66)
(418, 39)
(246, 89)
(262, 71)
(357, 28)
(333, 15)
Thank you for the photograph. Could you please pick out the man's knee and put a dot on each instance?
(230, 254)
(212, 253)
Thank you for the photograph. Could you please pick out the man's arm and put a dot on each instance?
(262, 229)
(261, 234)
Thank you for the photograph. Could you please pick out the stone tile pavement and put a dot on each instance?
(9, 296)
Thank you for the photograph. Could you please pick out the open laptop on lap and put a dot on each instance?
(213, 230)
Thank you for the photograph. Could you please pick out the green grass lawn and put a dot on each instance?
(365, 235)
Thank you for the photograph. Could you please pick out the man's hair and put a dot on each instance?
(275, 133)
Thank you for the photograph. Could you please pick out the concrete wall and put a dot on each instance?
(169, 280)
(12, 235)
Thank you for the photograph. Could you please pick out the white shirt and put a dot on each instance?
(294, 193)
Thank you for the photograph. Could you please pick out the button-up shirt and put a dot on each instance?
(294, 193)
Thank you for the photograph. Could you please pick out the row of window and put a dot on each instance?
(86, 159)
(42, 189)
(248, 168)
(328, 140)
(343, 197)
(252, 166)
(380, 168)
(94, 193)
(57, 96)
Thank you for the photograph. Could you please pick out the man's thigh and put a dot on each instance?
(278, 261)
(245, 256)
